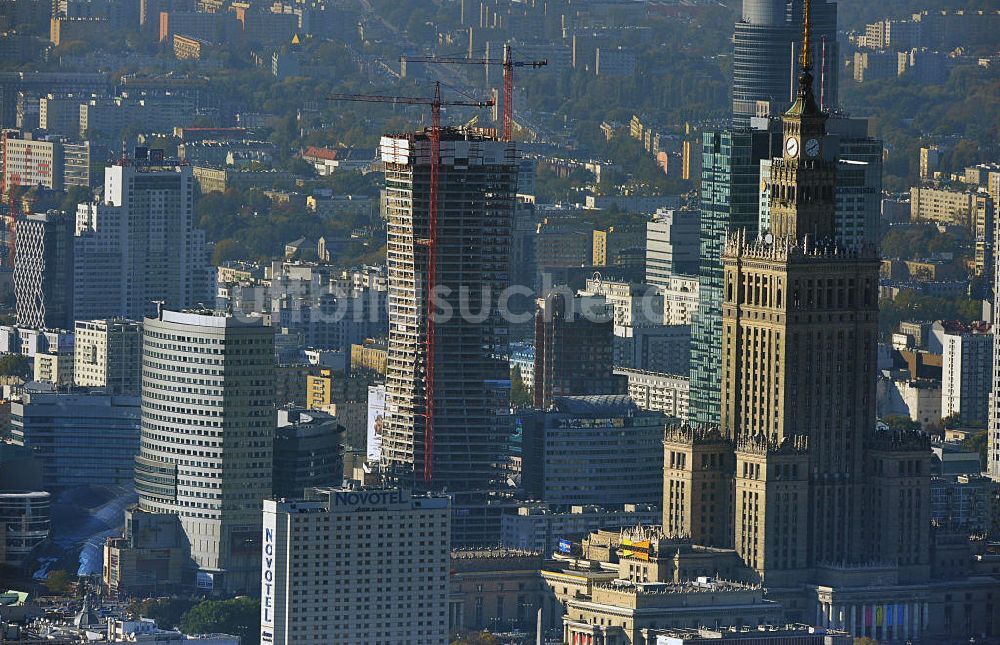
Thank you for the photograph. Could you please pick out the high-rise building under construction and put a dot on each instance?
(447, 381)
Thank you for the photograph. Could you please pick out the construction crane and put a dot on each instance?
(430, 242)
(507, 62)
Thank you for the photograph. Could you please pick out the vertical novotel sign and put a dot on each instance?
(267, 581)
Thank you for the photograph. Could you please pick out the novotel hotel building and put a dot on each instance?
(347, 566)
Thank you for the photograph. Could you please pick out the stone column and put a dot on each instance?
(854, 620)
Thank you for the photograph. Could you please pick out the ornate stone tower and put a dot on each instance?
(771, 507)
(697, 482)
(898, 471)
(800, 317)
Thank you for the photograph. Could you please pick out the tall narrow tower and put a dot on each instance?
(207, 437)
(800, 316)
(477, 177)
(766, 51)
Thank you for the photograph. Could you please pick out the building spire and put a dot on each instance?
(806, 62)
(805, 102)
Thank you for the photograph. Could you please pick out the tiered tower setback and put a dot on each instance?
(800, 324)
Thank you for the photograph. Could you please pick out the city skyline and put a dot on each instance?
(577, 322)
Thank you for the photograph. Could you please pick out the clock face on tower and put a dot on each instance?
(792, 147)
(812, 147)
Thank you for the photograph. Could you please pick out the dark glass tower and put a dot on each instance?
(730, 187)
(766, 44)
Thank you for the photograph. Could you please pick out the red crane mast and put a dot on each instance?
(430, 242)
(507, 62)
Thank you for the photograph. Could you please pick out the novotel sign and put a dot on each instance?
(267, 579)
(369, 499)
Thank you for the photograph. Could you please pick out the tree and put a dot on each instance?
(520, 395)
(900, 422)
(237, 616)
(75, 195)
(952, 421)
(15, 365)
(978, 442)
(228, 249)
(476, 638)
(167, 612)
(58, 581)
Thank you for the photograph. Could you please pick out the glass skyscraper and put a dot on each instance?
(766, 44)
(730, 189)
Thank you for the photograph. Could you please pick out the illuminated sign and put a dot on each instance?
(565, 546)
(638, 550)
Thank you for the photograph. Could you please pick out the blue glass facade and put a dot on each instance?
(729, 201)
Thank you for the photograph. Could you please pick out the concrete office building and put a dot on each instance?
(665, 349)
(611, 244)
(966, 503)
(43, 272)
(349, 566)
(570, 455)
(208, 426)
(672, 245)
(634, 306)
(944, 205)
(574, 348)
(151, 558)
(34, 161)
(918, 399)
(659, 392)
(318, 303)
(681, 299)
(55, 367)
(140, 244)
(77, 158)
(81, 439)
(965, 371)
(522, 359)
(108, 355)
(31, 342)
(455, 441)
(766, 46)
(13, 84)
(307, 452)
(60, 113)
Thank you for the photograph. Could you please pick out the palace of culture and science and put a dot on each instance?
(830, 514)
